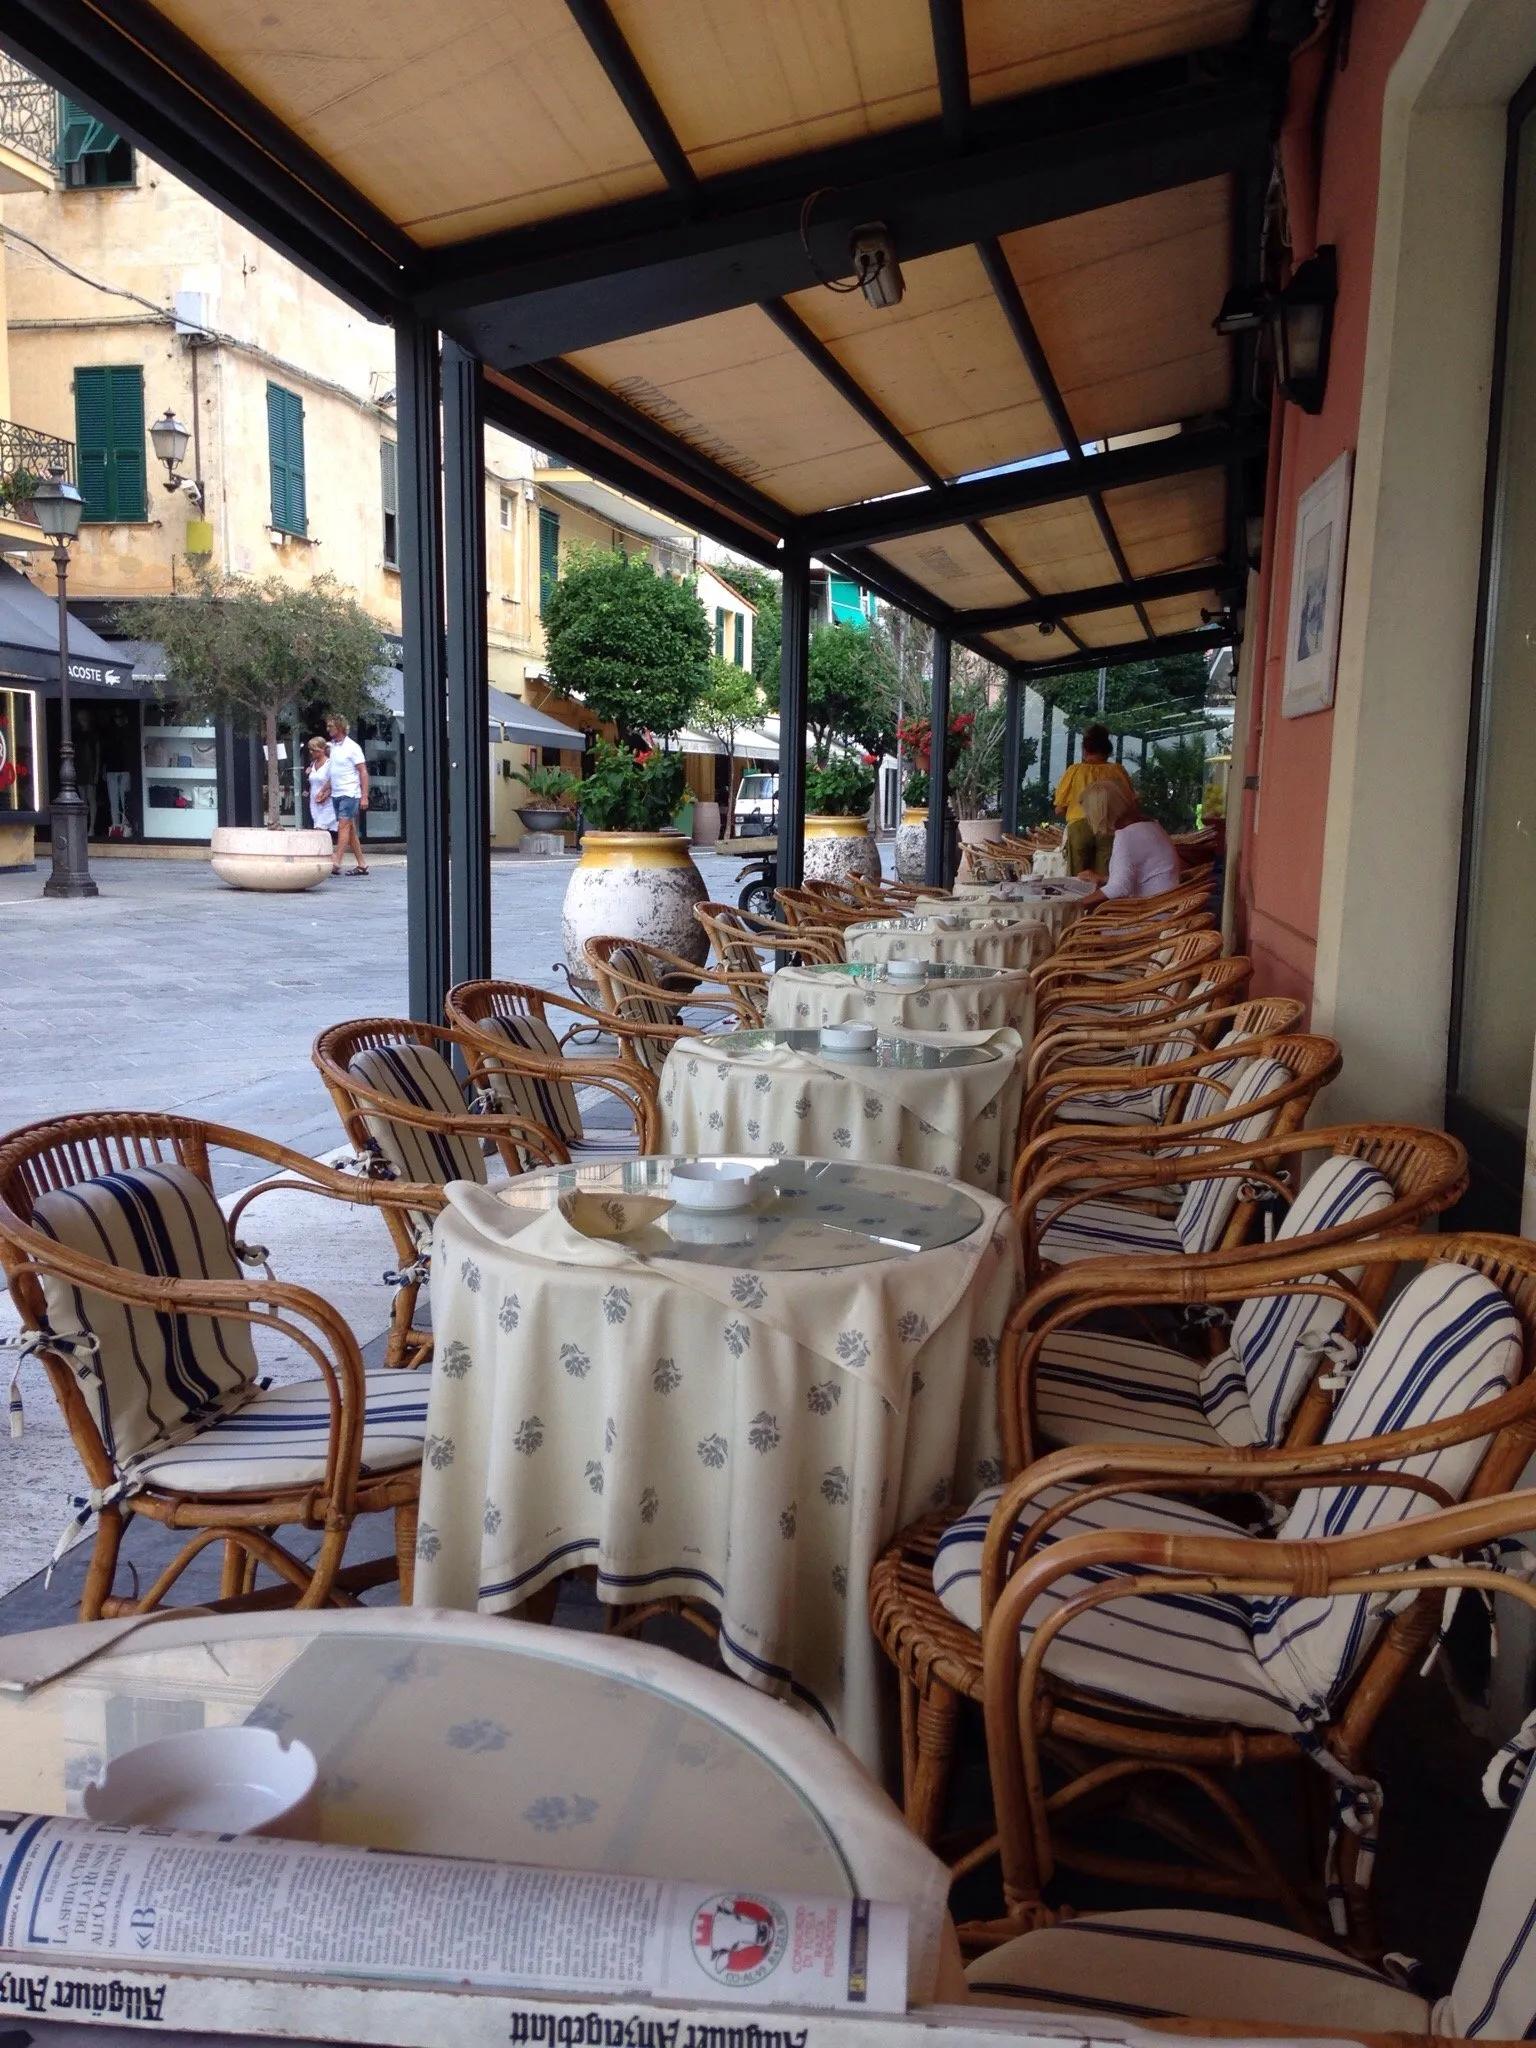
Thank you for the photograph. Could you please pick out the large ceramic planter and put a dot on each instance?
(538, 818)
(980, 831)
(250, 857)
(706, 822)
(912, 844)
(633, 885)
(836, 848)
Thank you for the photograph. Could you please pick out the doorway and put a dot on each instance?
(108, 764)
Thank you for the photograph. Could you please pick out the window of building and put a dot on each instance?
(285, 457)
(549, 555)
(109, 441)
(720, 631)
(740, 654)
(389, 501)
(90, 153)
(506, 511)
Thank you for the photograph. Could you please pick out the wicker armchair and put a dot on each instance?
(739, 940)
(1217, 1003)
(531, 1072)
(407, 1114)
(1440, 1408)
(149, 1350)
(809, 908)
(658, 998)
(1068, 991)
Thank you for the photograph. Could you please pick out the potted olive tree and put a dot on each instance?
(252, 653)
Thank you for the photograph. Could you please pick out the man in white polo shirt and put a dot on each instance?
(349, 791)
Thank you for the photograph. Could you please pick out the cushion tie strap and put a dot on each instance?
(1206, 1316)
(1510, 1765)
(1343, 1355)
(82, 1507)
(253, 1255)
(483, 1102)
(368, 1163)
(419, 1271)
(1270, 1202)
(1357, 1803)
(31, 1344)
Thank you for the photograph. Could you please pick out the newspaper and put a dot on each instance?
(153, 1896)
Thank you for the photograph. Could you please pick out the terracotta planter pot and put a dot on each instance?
(636, 885)
(912, 843)
(706, 823)
(250, 857)
(837, 847)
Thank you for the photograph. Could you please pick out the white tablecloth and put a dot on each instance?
(943, 1102)
(951, 936)
(949, 999)
(746, 1425)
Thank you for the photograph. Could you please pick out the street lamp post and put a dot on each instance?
(58, 507)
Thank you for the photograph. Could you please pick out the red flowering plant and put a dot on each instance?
(915, 736)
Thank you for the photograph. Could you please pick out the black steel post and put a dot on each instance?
(1047, 722)
(425, 782)
(469, 782)
(794, 679)
(938, 763)
(71, 875)
(1013, 720)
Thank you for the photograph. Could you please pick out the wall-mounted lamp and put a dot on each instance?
(169, 438)
(1296, 324)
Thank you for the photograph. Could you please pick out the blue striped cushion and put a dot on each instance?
(277, 1438)
(1172, 1963)
(1207, 1207)
(1494, 1994)
(1449, 1343)
(1091, 1387)
(154, 1375)
(419, 1075)
(1148, 1105)
(1187, 1655)
(551, 1102)
(1097, 1230)
(1267, 1332)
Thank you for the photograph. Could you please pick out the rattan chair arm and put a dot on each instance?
(459, 1020)
(609, 1077)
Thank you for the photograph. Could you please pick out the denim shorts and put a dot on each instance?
(346, 807)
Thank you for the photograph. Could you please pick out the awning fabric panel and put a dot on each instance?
(954, 565)
(1059, 547)
(1080, 38)
(1171, 525)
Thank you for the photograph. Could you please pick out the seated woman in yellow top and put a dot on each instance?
(1084, 850)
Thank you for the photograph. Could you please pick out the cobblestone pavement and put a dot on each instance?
(169, 991)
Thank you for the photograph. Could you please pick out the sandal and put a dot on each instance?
(357, 871)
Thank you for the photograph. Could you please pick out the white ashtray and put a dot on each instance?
(716, 1184)
(906, 970)
(217, 1781)
(848, 1037)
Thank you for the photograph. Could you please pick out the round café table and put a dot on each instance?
(455, 1735)
(954, 935)
(740, 1409)
(947, 998)
(944, 1102)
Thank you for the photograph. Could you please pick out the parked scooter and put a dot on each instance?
(756, 895)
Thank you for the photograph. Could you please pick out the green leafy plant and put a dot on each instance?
(1037, 805)
(632, 645)
(1170, 783)
(841, 789)
(552, 789)
(631, 791)
(730, 699)
(17, 486)
(252, 652)
(914, 790)
(849, 687)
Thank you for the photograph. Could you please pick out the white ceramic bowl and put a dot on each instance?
(905, 970)
(848, 1037)
(221, 1781)
(713, 1184)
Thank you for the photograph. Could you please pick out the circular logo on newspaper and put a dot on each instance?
(739, 1940)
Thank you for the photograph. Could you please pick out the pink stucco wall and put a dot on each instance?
(1282, 862)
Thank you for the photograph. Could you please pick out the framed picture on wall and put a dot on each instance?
(1317, 591)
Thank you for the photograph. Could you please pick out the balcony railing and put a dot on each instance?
(27, 455)
(29, 120)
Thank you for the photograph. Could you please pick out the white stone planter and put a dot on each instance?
(980, 831)
(912, 844)
(837, 847)
(633, 885)
(250, 857)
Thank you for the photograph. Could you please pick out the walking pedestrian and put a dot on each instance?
(349, 791)
(322, 812)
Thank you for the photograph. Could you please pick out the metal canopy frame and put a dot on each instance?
(519, 299)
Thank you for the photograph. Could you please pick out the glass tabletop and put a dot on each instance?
(892, 1052)
(806, 1215)
(876, 971)
(443, 1746)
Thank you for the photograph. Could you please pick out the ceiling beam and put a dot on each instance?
(1058, 606)
(946, 19)
(1023, 490)
(554, 286)
(129, 66)
(1206, 641)
(606, 41)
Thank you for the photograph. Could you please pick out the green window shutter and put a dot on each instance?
(81, 134)
(549, 555)
(389, 498)
(109, 441)
(740, 656)
(720, 632)
(285, 457)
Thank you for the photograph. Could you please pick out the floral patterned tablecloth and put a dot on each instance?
(739, 1410)
(955, 936)
(944, 1102)
(948, 998)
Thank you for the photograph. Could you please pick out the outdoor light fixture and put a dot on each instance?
(58, 507)
(875, 266)
(1296, 323)
(169, 438)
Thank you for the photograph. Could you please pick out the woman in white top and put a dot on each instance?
(1144, 860)
(322, 811)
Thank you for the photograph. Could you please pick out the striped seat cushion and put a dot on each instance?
(1093, 1388)
(1161, 1963)
(1448, 1344)
(1190, 1655)
(1144, 1106)
(1494, 1995)
(277, 1439)
(419, 1075)
(154, 1376)
(1098, 1230)
(545, 1099)
(1207, 1207)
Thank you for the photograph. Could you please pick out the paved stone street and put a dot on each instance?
(169, 991)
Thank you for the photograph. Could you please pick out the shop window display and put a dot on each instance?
(18, 754)
(181, 787)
